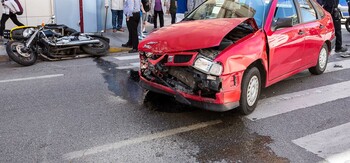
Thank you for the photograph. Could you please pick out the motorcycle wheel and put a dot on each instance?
(347, 24)
(100, 49)
(15, 51)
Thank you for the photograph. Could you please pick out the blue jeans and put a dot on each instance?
(117, 14)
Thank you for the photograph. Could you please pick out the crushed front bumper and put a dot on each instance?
(196, 101)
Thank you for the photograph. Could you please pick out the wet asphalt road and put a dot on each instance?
(92, 112)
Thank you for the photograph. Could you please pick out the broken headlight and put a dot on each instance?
(207, 66)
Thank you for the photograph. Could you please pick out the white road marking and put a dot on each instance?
(132, 65)
(32, 78)
(107, 147)
(331, 144)
(127, 57)
(293, 101)
(331, 67)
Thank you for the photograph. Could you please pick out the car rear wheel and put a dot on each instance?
(321, 62)
(251, 87)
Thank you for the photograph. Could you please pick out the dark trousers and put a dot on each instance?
(117, 15)
(338, 37)
(161, 18)
(4, 18)
(173, 18)
(132, 28)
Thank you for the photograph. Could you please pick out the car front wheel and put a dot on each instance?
(321, 62)
(251, 87)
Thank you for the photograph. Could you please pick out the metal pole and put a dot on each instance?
(105, 30)
(81, 9)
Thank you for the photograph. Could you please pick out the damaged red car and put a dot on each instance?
(223, 53)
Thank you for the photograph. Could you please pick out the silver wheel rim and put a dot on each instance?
(252, 90)
(19, 51)
(322, 60)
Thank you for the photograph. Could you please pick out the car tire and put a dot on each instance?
(347, 24)
(250, 91)
(321, 61)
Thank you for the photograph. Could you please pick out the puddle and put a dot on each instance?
(232, 141)
(120, 82)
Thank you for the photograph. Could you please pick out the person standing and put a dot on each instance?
(172, 10)
(117, 13)
(132, 13)
(158, 8)
(146, 8)
(332, 7)
(9, 11)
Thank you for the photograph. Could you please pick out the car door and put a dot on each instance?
(286, 44)
(313, 31)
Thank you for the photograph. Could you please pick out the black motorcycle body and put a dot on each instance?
(52, 42)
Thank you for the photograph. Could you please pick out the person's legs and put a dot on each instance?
(338, 36)
(134, 21)
(135, 39)
(155, 19)
(114, 18)
(139, 29)
(14, 19)
(144, 19)
(173, 18)
(4, 18)
(128, 25)
(161, 19)
(120, 20)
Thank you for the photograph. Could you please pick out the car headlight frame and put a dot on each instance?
(28, 32)
(207, 66)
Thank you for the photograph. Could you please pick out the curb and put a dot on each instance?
(118, 49)
(4, 58)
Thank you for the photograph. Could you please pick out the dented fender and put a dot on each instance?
(241, 55)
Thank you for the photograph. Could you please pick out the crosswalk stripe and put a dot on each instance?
(132, 65)
(129, 57)
(331, 144)
(293, 101)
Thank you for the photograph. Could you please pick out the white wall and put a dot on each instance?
(35, 12)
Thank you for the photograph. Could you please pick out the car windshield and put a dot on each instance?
(213, 9)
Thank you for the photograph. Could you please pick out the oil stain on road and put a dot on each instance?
(118, 82)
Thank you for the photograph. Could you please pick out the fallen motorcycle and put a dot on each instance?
(52, 42)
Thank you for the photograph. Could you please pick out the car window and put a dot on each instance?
(318, 8)
(286, 9)
(214, 9)
(308, 12)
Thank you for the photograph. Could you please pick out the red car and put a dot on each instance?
(222, 53)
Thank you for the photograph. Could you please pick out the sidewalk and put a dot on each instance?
(116, 39)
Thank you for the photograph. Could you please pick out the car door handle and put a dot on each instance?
(321, 26)
(301, 32)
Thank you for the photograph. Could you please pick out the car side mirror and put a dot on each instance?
(283, 23)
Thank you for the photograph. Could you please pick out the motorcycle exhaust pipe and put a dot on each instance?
(73, 43)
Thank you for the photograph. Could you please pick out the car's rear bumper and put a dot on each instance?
(204, 103)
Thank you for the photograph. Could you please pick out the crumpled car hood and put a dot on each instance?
(189, 35)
